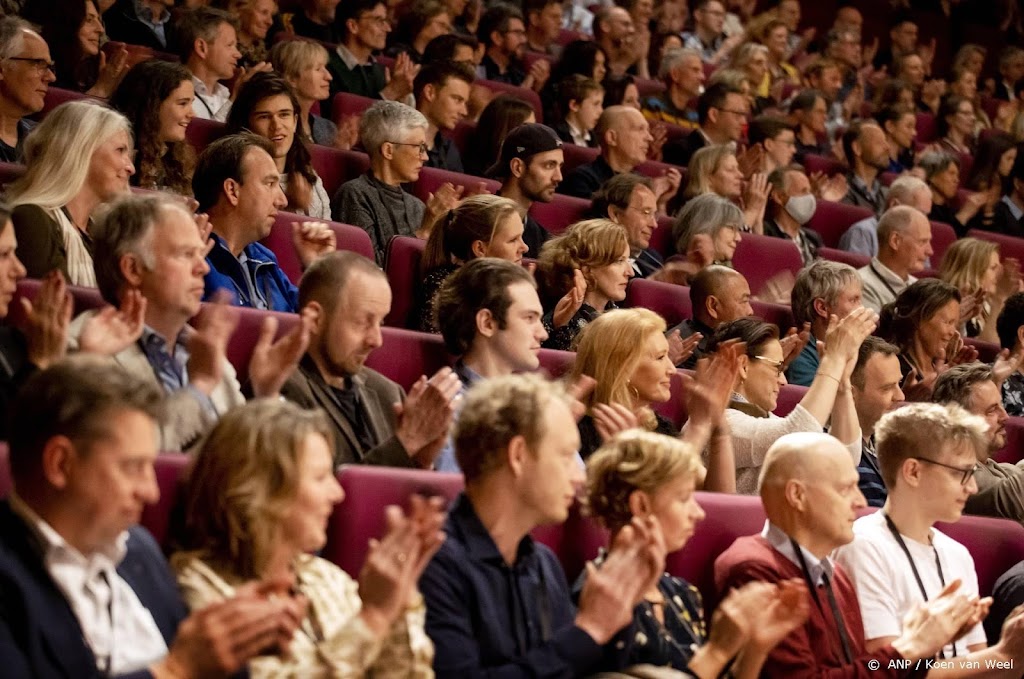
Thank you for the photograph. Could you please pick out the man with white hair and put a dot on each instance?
(904, 245)
(683, 74)
(25, 76)
(862, 236)
(395, 136)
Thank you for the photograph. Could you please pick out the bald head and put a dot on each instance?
(802, 457)
(904, 240)
(624, 131)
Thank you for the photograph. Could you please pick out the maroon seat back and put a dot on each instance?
(201, 132)
(994, 544)
(789, 396)
(943, 236)
(280, 242)
(671, 302)
(831, 220)
(156, 518)
(987, 351)
(243, 340)
(852, 258)
(555, 362)
(648, 87)
(661, 239)
(462, 133)
(829, 166)
(345, 105)
(336, 167)
(779, 314)
(432, 178)
(656, 168)
(84, 298)
(521, 93)
(1009, 246)
(402, 265)
(408, 354)
(1013, 451)
(577, 155)
(760, 258)
(561, 213)
(927, 128)
(55, 96)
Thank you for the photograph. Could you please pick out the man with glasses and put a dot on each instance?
(364, 30)
(503, 35)
(26, 72)
(722, 113)
(928, 458)
(708, 37)
(975, 387)
(629, 200)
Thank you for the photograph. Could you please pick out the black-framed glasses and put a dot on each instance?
(424, 149)
(967, 472)
(742, 114)
(780, 366)
(38, 64)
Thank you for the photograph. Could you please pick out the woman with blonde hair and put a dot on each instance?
(256, 508)
(78, 158)
(255, 18)
(752, 58)
(581, 274)
(643, 477)
(481, 226)
(972, 266)
(303, 63)
(716, 169)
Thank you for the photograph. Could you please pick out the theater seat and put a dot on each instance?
(852, 258)
(84, 298)
(462, 134)
(407, 354)
(561, 213)
(829, 166)
(201, 132)
(760, 258)
(648, 87)
(943, 236)
(1013, 451)
(55, 96)
(556, 363)
(345, 105)
(577, 155)
(280, 242)
(156, 518)
(336, 167)
(432, 178)
(831, 220)
(656, 168)
(661, 239)
(1009, 246)
(402, 265)
(243, 340)
(927, 128)
(524, 94)
(779, 314)
(671, 302)
(987, 351)
(789, 396)
(994, 544)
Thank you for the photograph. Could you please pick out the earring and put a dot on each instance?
(633, 391)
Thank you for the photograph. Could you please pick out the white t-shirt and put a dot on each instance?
(886, 587)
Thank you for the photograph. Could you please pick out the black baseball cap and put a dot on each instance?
(524, 142)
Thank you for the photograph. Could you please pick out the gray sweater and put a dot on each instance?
(382, 211)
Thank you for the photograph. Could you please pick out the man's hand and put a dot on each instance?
(272, 363)
(933, 624)
(787, 610)
(400, 78)
(667, 186)
(208, 345)
(751, 160)
(709, 390)
(348, 133)
(659, 132)
(539, 73)
(427, 414)
(113, 330)
(311, 240)
(1006, 364)
(681, 349)
(46, 319)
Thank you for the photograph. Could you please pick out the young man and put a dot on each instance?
(442, 94)
(868, 156)
(683, 74)
(721, 113)
(346, 297)
(1010, 327)
(581, 100)
(543, 24)
(530, 170)
(862, 236)
(209, 47)
(707, 37)
(927, 454)
(776, 138)
(237, 184)
(904, 245)
(876, 389)
(718, 294)
(629, 200)
(497, 601)
(24, 81)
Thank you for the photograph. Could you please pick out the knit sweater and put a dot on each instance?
(381, 210)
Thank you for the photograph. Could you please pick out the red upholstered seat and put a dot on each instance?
(1013, 451)
(344, 105)
(156, 518)
(201, 132)
(84, 298)
(55, 96)
(779, 314)
(556, 363)
(336, 167)
(462, 133)
(648, 87)
(432, 178)
(987, 351)
(402, 265)
(851, 258)
(656, 168)
(927, 128)
(994, 544)
(407, 354)
(521, 93)
(829, 166)
(760, 258)
(348, 237)
(576, 156)
(831, 220)
(671, 302)
(943, 236)
(565, 36)
(661, 239)
(1009, 246)
(243, 340)
(789, 396)
(561, 213)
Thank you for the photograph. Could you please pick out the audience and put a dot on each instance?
(862, 236)
(793, 205)
(579, 106)
(809, 111)
(345, 299)
(923, 489)
(255, 19)
(824, 292)
(683, 74)
(707, 37)
(416, 24)
(582, 273)
(775, 138)
(973, 266)
(579, 57)
(146, 23)
(629, 200)
(1011, 339)
(502, 34)
(756, 390)
(516, 445)
(209, 49)
(442, 93)
(875, 383)
(395, 137)
(259, 495)
(543, 24)
(156, 97)
(530, 168)
(25, 77)
(238, 185)
(718, 295)
(502, 115)
(809, 492)
(316, 20)
(615, 33)
(267, 106)
(868, 156)
(79, 158)
(481, 226)
(942, 172)
(303, 63)
(364, 28)
(707, 231)
(722, 111)
(904, 245)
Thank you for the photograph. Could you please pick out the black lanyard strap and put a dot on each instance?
(882, 279)
(832, 604)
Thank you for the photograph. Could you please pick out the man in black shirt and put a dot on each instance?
(442, 93)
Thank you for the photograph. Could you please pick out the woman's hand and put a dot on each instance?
(111, 72)
(572, 301)
(46, 321)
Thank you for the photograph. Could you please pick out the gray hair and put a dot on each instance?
(674, 57)
(745, 53)
(904, 188)
(388, 121)
(707, 213)
(824, 280)
(895, 220)
(12, 36)
(126, 227)
(934, 162)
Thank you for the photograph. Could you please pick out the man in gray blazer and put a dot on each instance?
(345, 297)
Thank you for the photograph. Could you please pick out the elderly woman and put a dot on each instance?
(942, 173)
(715, 169)
(261, 490)
(581, 274)
(78, 158)
(752, 58)
(756, 391)
(255, 17)
(481, 226)
(395, 136)
(418, 22)
(638, 476)
(303, 63)
(707, 231)
(974, 268)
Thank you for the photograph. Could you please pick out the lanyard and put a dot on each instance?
(879, 277)
(812, 588)
(202, 100)
(913, 566)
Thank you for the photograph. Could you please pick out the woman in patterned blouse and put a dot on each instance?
(261, 491)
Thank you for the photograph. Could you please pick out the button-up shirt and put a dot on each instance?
(816, 567)
(209, 105)
(158, 26)
(881, 284)
(171, 366)
(1015, 211)
(120, 631)
(860, 194)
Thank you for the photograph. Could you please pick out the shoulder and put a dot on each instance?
(948, 545)
(30, 214)
(258, 251)
(374, 381)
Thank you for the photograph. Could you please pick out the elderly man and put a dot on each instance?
(624, 136)
(530, 170)
(822, 290)
(973, 386)
(234, 183)
(810, 496)
(683, 74)
(208, 46)
(613, 32)
(718, 294)
(862, 236)
(149, 246)
(497, 601)
(792, 204)
(875, 382)
(927, 454)
(395, 136)
(346, 297)
(629, 200)
(364, 30)
(721, 114)
(867, 153)
(25, 77)
(88, 593)
(904, 245)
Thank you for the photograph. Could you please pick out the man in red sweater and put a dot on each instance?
(810, 495)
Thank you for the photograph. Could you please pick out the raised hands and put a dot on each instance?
(680, 349)
(312, 239)
(709, 390)
(426, 415)
(400, 78)
(1006, 364)
(45, 321)
(446, 198)
(755, 200)
(113, 330)
(1009, 278)
(613, 418)
(208, 345)
(933, 624)
(244, 75)
(667, 186)
(659, 132)
(572, 301)
(272, 363)
(111, 70)
(539, 73)
(751, 160)
(832, 188)
(793, 342)
(844, 337)
(348, 133)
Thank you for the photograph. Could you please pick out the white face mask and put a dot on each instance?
(801, 208)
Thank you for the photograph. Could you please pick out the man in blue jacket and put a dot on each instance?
(237, 183)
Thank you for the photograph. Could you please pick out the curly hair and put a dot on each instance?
(139, 97)
(591, 243)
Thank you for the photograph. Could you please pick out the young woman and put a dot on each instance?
(267, 106)
(974, 268)
(418, 22)
(900, 127)
(621, 90)
(502, 115)
(956, 125)
(303, 63)
(156, 96)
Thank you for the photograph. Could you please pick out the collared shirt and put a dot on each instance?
(158, 26)
(446, 461)
(171, 367)
(444, 155)
(579, 137)
(871, 483)
(860, 194)
(881, 285)
(805, 366)
(118, 629)
(782, 543)
(861, 238)
(209, 105)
